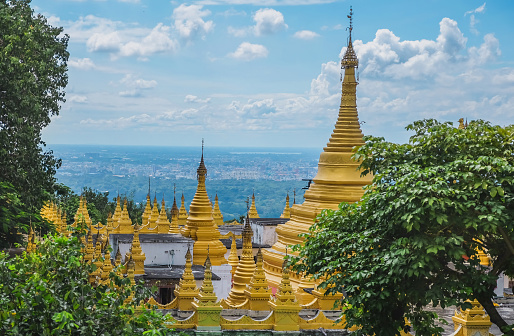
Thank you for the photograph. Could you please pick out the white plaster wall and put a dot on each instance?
(159, 253)
(222, 287)
(258, 233)
(269, 236)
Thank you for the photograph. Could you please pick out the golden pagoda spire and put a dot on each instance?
(182, 215)
(257, 292)
(245, 268)
(253, 210)
(88, 256)
(147, 213)
(233, 259)
(163, 225)
(117, 215)
(284, 305)
(125, 223)
(200, 224)
(337, 180)
(287, 210)
(152, 220)
(186, 290)
(137, 253)
(216, 213)
(117, 257)
(174, 227)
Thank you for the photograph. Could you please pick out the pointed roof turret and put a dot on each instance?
(200, 224)
(233, 259)
(287, 210)
(146, 213)
(163, 224)
(137, 253)
(186, 290)
(245, 268)
(253, 209)
(338, 179)
(216, 213)
(258, 293)
(125, 223)
(182, 215)
(174, 227)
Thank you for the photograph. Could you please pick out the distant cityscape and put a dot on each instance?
(126, 169)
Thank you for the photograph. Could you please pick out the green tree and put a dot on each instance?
(48, 293)
(412, 240)
(33, 69)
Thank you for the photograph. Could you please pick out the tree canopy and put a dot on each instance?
(47, 292)
(33, 69)
(414, 238)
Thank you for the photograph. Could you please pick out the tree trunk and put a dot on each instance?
(492, 312)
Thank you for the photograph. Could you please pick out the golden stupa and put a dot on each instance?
(253, 209)
(200, 225)
(182, 213)
(216, 213)
(287, 209)
(338, 180)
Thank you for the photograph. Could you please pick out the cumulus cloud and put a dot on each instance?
(81, 63)
(305, 35)
(254, 109)
(189, 21)
(134, 86)
(157, 41)
(248, 51)
(196, 99)
(268, 21)
(237, 32)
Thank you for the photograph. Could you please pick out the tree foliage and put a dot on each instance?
(413, 239)
(33, 69)
(48, 293)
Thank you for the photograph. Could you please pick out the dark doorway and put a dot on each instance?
(165, 295)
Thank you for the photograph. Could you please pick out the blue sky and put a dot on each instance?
(266, 73)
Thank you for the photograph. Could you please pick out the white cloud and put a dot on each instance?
(109, 42)
(305, 35)
(265, 2)
(232, 12)
(472, 19)
(248, 51)
(135, 86)
(189, 21)
(77, 99)
(268, 21)
(195, 99)
(237, 32)
(158, 41)
(81, 63)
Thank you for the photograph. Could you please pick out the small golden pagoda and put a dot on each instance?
(147, 213)
(117, 211)
(182, 215)
(245, 268)
(233, 259)
(216, 213)
(174, 227)
(186, 290)
(473, 321)
(287, 210)
(208, 309)
(82, 214)
(137, 254)
(253, 210)
(338, 180)
(257, 292)
(152, 220)
(125, 223)
(163, 225)
(284, 305)
(200, 224)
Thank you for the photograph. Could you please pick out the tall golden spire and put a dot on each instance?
(163, 224)
(200, 225)
(186, 290)
(147, 213)
(216, 213)
(253, 210)
(125, 223)
(233, 259)
(182, 215)
(287, 210)
(258, 292)
(338, 180)
(245, 268)
(174, 227)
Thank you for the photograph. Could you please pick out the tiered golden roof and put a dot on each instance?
(257, 292)
(338, 179)
(124, 223)
(186, 290)
(152, 220)
(147, 213)
(284, 305)
(216, 213)
(287, 210)
(182, 215)
(174, 227)
(117, 213)
(253, 209)
(163, 225)
(137, 254)
(245, 269)
(207, 307)
(200, 225)
(233, 259)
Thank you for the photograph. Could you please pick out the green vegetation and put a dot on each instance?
(412, 240)
(33, 69)
(47, 293)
